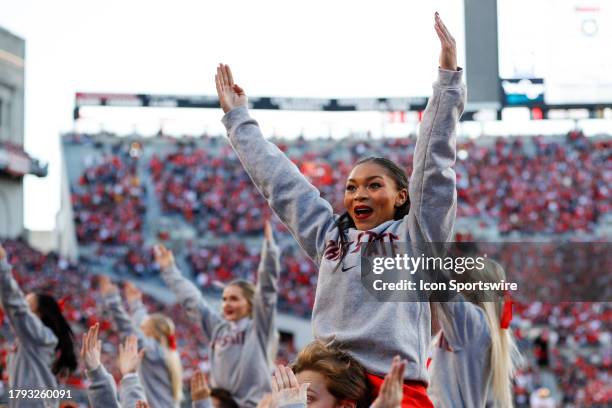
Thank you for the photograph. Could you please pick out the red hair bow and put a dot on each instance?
(506, 316)
(62, 304)
(171, 342)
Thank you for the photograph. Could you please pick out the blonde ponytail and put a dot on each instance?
(164, 331)
(175, 370)
(504, 355)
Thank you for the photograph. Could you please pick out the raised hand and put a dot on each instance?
(142, 404)
(163, 256)
(230, 95)
(199, 386)
(2, 253)
(91, 348)
(131, 292)
(106, 286)
(285, 388)
(129, 356)
(391, 393)
(448, 53)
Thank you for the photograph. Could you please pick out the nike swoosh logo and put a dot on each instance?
(346, 269)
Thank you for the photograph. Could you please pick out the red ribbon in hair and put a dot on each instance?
(62, 303)
(171, 342)
(506, 316)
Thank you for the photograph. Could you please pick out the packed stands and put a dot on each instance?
(206, 208)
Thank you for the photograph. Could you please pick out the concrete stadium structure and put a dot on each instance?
(12, 79)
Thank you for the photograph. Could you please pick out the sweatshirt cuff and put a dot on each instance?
(98, 373)
(5, 266)
(203, 403)
(135, 305)
(449, 79)
(172, 270)
(128, 381)
(234, 116)
(112, 297)
(128, 376)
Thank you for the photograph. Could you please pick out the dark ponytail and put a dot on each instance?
(345, 222)
(51, 316)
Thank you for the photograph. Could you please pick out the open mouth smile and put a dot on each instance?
(362, 212)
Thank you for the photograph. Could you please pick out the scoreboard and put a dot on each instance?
(555, 52)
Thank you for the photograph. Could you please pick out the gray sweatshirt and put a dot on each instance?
(103, 394)
(205, 403)
(461, 357)
(153, 370)
(29, 364)
(238, 350)
(131, 390)
(373, 332)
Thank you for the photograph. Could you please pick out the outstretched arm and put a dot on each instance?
(432, 189)
(28, 328)
(127, 326)
(297, 202)
(462, 322)
(264, 301)
(131, 389)
(113, 303)
(133, 295)
(188, 295)
(101, 392)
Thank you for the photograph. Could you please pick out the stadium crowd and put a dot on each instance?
(108, 201)
(577, 334)
(214, 266)
(137, 202)
(529, 185)
(576, 338)
(39, 272)
(211, 191)
(538, 186)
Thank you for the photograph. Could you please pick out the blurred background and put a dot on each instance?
(111, 141)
